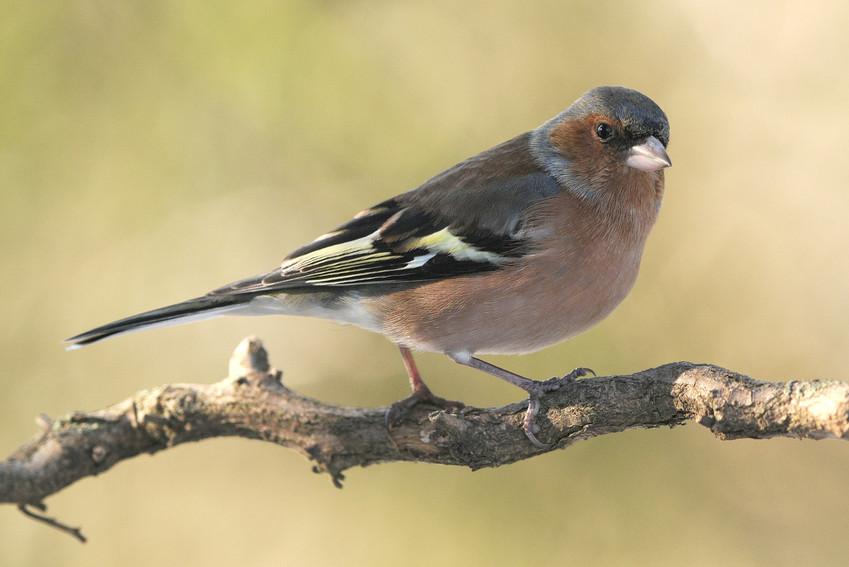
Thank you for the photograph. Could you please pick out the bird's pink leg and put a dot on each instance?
(416, 383)
(535, 389)
(421, 393)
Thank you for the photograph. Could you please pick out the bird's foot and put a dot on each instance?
(556, 383)
(398, 411)
(536, 391)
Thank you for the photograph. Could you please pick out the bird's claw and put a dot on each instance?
(529, 425)
(539, 389)
(556, 383)
(398, 411)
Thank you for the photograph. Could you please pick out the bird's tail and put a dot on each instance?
(192, 310)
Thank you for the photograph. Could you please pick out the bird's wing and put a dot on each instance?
(456, 224)
(387, 244)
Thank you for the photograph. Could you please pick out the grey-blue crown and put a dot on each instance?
(638, 113)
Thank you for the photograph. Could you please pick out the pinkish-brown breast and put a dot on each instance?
(586, 265)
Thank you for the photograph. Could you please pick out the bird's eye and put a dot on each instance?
(604, 131)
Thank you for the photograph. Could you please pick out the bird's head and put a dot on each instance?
(609, 134)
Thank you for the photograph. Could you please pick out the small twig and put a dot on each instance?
(135, 415)
(52, 522)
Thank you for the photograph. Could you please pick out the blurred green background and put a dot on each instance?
(150, 151)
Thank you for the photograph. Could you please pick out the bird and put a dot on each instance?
(519, 247)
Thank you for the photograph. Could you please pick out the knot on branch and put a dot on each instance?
(249, 364)
(249, 357)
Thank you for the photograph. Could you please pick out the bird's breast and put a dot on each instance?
(548, 298)
(583, 268)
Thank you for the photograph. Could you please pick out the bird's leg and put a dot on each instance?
(535, 389)
(416, 383)
(421, 394)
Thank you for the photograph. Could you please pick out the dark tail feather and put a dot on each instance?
(191, 310)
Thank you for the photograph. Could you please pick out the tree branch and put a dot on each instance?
(252, 402)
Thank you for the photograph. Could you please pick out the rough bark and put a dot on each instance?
(252, 402)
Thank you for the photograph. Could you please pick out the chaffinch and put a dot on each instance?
(521, 246)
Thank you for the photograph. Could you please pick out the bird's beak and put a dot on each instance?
(648, 156)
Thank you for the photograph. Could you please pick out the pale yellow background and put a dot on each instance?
(150, 151)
